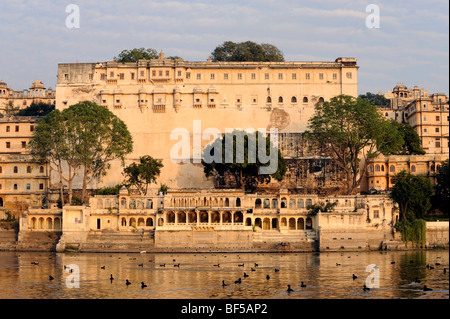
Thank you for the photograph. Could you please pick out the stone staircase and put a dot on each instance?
(38, 241)
(8, 239)
(108, 241)
(290, 240)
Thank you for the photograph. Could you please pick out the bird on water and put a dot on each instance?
(245, 275)
(127, 282)
(238, 281)
(289, 289)
(267, 277)
(302, 285)
(425, 288)
(223, 283)
(354, 277)
(365, 288)
(143, 285)
(50, 278)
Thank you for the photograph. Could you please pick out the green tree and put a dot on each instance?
(9, 109)
(351, 131)
(240, 158)
(246, 51)
(377, 99)
(142, 174)
(412, 145)
(321, 207)
(53, 143)
(412, 193)
(84, 137)
(37, 109)
(442, 188)
(134, 55)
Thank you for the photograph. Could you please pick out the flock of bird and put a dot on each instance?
(245, 275)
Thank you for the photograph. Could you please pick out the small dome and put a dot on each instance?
(3, 84)
(400, 86)
(38, 84)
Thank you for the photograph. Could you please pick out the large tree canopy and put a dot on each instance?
(377, 99)
(142, 174)
(412, 145)
(37, 109)
(135, 55)
(412, 193)
(351, 130)
(84, 137)
(442, 188)
(246, 51)
(249, 158)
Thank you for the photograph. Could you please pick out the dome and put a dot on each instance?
(400, 86)
(3, 84)
(37, 85)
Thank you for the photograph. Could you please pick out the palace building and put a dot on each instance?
(156, 97)
(22, 99)
(23, 182)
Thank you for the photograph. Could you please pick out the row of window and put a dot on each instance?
(212, 76)
(23, 144)
(380, 168)
(27, 186)
(29, 169)
(239, 76)
(17, 127)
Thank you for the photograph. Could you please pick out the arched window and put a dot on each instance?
(123, 203)
(274, 203)
(149, 204)
(132, 204)
(258, 203)
(413, 168)
(392, 169)
(382, 168)
(300, 203)
(283, 202)
(15, 169)
(293, 99)
(305, 99)
(292, 203)
(227, 202)
(248, 221)
(300, 223)
(266, 203)
(238, 217)
(238, 202)
(292, 223)
(308, 202)
(41, 169)
(269, 99)
(149, 222)
(321, 100)
(280, 99)
(377, 168)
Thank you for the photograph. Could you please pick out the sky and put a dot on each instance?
(410, 45)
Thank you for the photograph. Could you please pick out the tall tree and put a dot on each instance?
(9, 109)
(142, 174)
(246, 51)
(442, 188)
(412, 193)
(351, 131)
(412, 145)
(53, 143)
(84, 137)
(244, 157)
(103, 137)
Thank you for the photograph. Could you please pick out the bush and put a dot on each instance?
(76, 201)
(412, 230)
(112, 190)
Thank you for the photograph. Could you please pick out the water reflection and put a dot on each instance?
(325, 276)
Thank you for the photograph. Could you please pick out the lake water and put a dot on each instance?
(199, 277)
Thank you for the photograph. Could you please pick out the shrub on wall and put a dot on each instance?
(412, 230)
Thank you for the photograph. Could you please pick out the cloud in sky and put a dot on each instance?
(411, 45)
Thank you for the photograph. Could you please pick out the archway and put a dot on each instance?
(292, 223)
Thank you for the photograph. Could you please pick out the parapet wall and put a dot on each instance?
(437, 234)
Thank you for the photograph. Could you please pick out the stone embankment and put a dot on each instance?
(265, 241)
